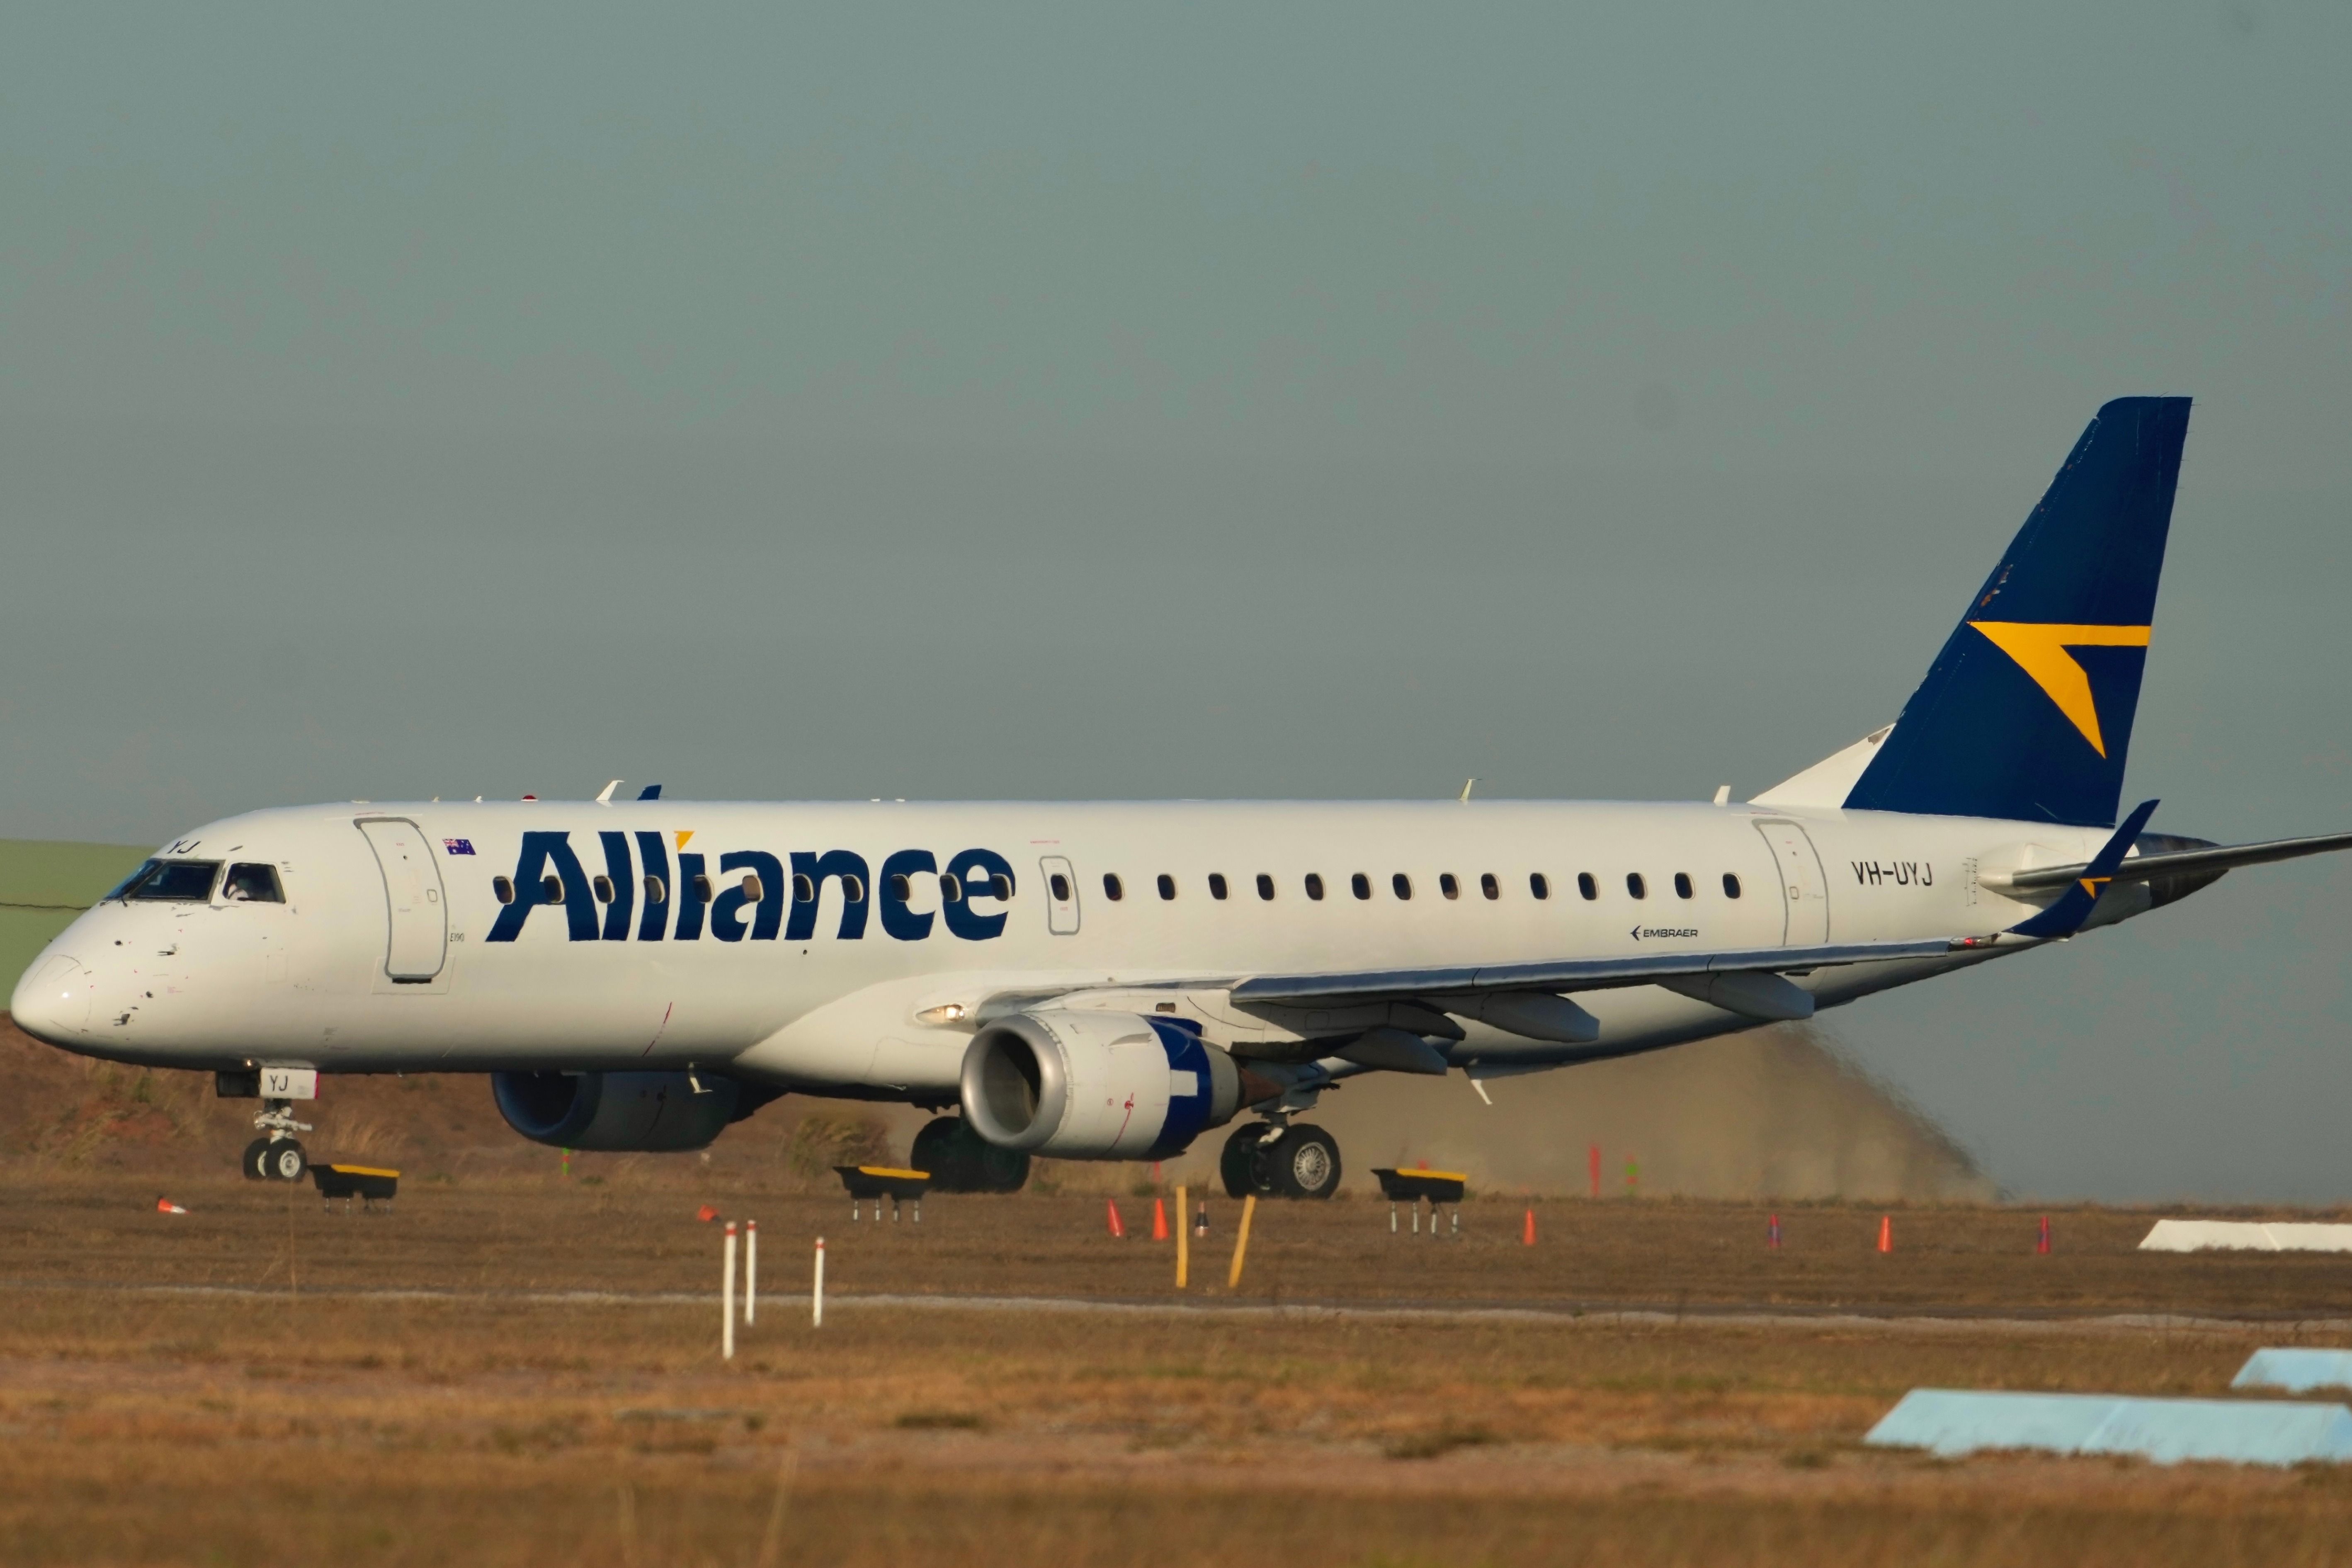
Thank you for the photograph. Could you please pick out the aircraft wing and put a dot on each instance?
(1577, 974)
(2173, 863)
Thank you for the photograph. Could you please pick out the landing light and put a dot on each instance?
(945, 1013)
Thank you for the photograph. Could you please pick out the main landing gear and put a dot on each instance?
(276, 1155)
(961, 1161)
(1282, 1161)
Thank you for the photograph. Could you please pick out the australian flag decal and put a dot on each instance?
(458, 845)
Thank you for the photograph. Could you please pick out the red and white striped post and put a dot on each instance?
(750, 1270)
(727, 1299)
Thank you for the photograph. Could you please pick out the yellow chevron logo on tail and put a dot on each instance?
(2040, 650)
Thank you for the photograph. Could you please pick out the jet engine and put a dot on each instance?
(637, 1112)
(1100, 1086)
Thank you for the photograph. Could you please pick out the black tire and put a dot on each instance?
(285, 1161)
(1242, 1166)
(961, 1160)
(1304, 1162)
(1002, 1169)
(251, 1163)
(937, 1150)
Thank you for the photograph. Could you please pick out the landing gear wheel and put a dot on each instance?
(961, 1160)
(251, 1162)
(284, 1161)
(1241, 1165)
(1304, 1162)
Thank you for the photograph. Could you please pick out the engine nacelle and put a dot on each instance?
(634, 1113)
(1097, 1085)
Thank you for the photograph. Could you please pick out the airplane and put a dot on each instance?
(1111, 981)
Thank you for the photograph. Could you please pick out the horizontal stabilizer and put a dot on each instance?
(2176, 863)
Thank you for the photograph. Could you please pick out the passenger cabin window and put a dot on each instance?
(1730, 885)
(902, 886)
(1488, 886)
(1217, 886)
(1539, 885)
(656, 890)
(999, 884)
(1167, 886)
(1587, 886)
(1266, 887)
(1635, 886)
(1061, 886)
(854, 889)
(1314, 886)
(1448, 886)
(602, 888)
(804, 889)
(550, 889)
(174, 882)
(951, 888)
(702, 889)
(1402, 886)
(502, 890)
(252, 883)
(1111, 888)
(1360, 885)
(752, 892)
(1682, 885)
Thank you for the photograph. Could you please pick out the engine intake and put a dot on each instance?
(634, 1113)
(1097, 1085)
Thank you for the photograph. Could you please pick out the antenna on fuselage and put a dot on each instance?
(1466, 788)
(1723, 794)
(604, 796)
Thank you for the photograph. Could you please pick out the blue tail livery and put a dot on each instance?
(2065, 917)
(2027, 711)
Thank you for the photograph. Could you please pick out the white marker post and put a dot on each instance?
(727, 1299)
(816, 1290)
(750, 1270)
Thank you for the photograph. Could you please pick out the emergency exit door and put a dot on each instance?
(418, 943)
(1061, 896)
(1804, 892)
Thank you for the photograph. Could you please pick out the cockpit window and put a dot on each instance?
(173, 881)
(122, 888)
(252, 883)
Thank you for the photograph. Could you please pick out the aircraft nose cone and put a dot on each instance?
(52, 1001)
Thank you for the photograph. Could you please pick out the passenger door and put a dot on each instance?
(1061, 895)
(419, 940)
(1804, 892)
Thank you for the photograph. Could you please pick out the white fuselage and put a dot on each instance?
(223, 984)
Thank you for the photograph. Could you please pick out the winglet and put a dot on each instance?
(2065, 917)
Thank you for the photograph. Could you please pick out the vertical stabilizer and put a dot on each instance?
(2027, 713)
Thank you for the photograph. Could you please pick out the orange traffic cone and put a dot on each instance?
(2043, 1244)
(1159, 1219)
(1117, 1228)
(1527, 1237)
(1887, 1233)
(166, 1205)
(706, 1213)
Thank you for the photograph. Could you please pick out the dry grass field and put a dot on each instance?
(519, 1371)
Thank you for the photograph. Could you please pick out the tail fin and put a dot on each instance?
(2027, 713)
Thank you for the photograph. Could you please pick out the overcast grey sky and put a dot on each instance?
(1213, 401)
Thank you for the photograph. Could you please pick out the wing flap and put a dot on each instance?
(1580, 974)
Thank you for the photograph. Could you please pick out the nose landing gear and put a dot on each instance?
(1274, 1160)
(276, 1156)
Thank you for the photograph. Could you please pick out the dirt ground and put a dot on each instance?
(512, 1370)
